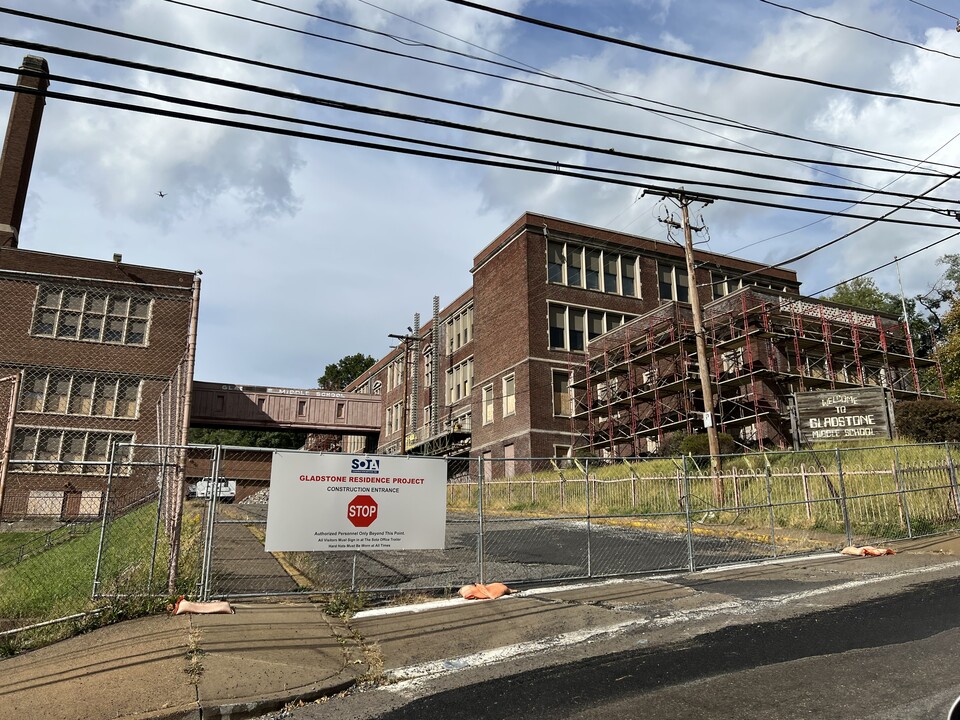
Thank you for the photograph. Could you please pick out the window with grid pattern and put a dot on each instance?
(91, 316)
(57, 450)
(90, 395)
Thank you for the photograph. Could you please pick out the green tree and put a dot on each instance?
(864, 293)
(948, 352)
(338, 375)
(941, 295)
(281, 439)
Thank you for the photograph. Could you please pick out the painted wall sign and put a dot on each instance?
(335, 501)
(843, 415)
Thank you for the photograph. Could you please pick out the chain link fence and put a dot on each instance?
(511, 520)
(93, 377)
(541, 520)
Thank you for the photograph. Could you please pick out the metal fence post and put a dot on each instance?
(691, 563)
(208, 535)
(480, 477)
(843, 500)
(161, 498)
(773, 521)
(903, 495)
(103, 524)
(953, 479)
(587, 488)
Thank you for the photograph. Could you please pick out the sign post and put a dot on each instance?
(334, 501)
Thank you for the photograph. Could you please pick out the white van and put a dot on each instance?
(226, 489)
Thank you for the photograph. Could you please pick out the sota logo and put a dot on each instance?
(368, 466)
(362, 511)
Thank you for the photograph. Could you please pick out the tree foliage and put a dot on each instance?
(338, 375)
(696, 444)
(948, 352)
(863, 292)
(281, 439)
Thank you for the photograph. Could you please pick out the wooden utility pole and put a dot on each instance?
(683, 200)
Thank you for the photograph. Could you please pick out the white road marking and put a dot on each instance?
(407, 680)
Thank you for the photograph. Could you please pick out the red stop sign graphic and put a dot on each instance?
(362, 511)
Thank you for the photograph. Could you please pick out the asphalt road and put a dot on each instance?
(893, 657)
(516, 550)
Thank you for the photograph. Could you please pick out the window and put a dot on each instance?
(301, 408)
(397, 417)
(611, 271)
(674, 283)
(486, 458)
(574, 266)
(45, 450)
(377, 387)
(558, 326)
(592, 268)
(569, 326)
(91, 316)
(724, 284)
(594, 324)
(395, 373)
(563, 454)
(628, 275)
(555, 262)
(576, 328)
(509, 395)
(487, 403)
(341, 411)
(90, 395)
(459, 381)
(509, 467)
(460, 329)
(561, 393)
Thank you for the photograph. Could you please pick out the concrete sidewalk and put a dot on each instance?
(270, 654)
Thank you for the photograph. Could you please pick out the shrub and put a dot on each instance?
(928, 420)
(697, 444)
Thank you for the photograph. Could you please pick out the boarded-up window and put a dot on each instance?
(45, 503)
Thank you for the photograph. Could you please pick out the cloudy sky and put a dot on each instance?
(311, 250)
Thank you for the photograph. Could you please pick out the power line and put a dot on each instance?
(606, 95)
(860, 29)
(825, 245)
(887, 264)
(954, 17)
(306, 73)
(698, 59)
(352, 107)
(404, 116)
(804, 227)
(542, 168)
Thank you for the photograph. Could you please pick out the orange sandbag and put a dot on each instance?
(866, 550)
(202, 608)
(490, 591)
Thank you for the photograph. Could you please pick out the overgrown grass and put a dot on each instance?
(12, 541)
(888, 490)
(58, 582)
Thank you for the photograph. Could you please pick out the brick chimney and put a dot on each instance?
(19, 147)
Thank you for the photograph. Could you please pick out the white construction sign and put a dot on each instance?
(334, 501)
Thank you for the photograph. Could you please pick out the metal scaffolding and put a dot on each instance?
(640, 382)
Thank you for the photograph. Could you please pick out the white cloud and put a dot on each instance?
(311, 251)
